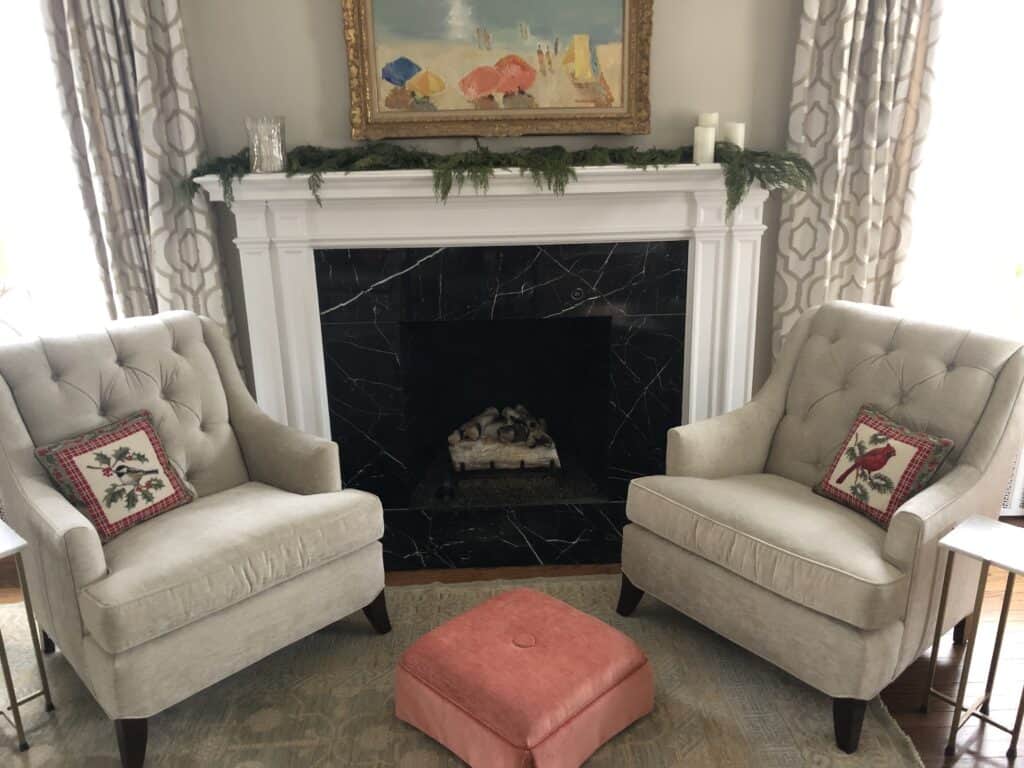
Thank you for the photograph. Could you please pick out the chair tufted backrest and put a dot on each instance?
(929, 377)
(64, 386)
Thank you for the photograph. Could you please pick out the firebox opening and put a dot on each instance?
(507, 391)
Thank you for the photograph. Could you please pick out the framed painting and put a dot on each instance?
(498, 67)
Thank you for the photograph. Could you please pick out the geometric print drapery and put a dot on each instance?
(859, 114)
(131, 109)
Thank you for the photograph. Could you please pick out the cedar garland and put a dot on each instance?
(551, 168)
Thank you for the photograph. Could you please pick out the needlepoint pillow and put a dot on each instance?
(881, 465)
(117, 475)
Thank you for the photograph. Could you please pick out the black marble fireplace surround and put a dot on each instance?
(417, 341)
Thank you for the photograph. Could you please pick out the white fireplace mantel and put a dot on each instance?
(280, 225)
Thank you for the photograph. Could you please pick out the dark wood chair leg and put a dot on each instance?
(848, 716)
(48, 646)
(960, 632)
(629, 597)
(131, 741)
(377, 614)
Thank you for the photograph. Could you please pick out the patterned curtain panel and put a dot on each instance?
(859, 114)
(124, 77)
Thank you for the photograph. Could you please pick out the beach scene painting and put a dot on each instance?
(497, 67)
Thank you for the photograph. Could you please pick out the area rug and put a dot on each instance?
(327, 700)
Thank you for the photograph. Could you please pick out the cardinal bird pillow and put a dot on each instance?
(881, 465)
(117, 475)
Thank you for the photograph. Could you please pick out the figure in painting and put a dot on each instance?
(540, 59)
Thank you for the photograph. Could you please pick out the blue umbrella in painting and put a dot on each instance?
(399, 71)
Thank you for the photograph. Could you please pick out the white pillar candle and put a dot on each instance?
(735, 133)
(708, 119)
(704, 144)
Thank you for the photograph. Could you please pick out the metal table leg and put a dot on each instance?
(15, 702)
(12, 696)
(1015, 733)
(972, 635)
(938, 631)
(34, 632)
(1003, 614)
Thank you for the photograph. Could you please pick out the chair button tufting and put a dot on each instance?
(524, 640)
(55, 377)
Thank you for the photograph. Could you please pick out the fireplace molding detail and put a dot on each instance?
(279, 226)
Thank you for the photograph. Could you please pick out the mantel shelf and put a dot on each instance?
(280, 226)
(610, 179)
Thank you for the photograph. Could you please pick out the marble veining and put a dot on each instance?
(370, 301)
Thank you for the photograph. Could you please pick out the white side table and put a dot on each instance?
(12, 544)
(991, 542)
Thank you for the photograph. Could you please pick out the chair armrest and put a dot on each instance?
(735, 443)
(928, 516)
(275, 454)
(285, 457)
(64, 535)
(64, 553)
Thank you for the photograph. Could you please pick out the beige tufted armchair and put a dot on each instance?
(272, 549)
(733, 536)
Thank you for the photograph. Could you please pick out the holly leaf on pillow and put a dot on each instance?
(113, 495)
(140, 457)
(881, 483)
(859, 491)
(851, 453)
(131, 499)
(878, 439)
(101, 458)
(146, 495)
(122, 453)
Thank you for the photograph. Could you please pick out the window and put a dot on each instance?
(49, 278)
(966, 260)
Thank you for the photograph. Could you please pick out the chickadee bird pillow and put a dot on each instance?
(117, 475)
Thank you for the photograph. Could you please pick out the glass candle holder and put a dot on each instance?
(266, 144)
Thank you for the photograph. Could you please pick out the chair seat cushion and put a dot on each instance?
(221, 549)
(523, 679)
(778, 534)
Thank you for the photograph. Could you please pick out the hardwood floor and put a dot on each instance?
(978, 744)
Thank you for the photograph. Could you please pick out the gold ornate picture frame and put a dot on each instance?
(421, 68)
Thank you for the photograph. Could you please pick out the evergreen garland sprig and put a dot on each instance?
(551, 168)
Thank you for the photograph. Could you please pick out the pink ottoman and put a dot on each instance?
(523, 680)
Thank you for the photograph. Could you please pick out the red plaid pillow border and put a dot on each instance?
(928, 456)
(58, 460)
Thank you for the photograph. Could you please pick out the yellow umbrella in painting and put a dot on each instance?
(426, 84)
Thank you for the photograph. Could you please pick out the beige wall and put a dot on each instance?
(287, 57)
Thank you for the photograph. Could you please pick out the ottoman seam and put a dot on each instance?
(500, 735)
(462, 709)
(592, 703)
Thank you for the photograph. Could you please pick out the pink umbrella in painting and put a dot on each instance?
(516, 74)
(482, 81)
